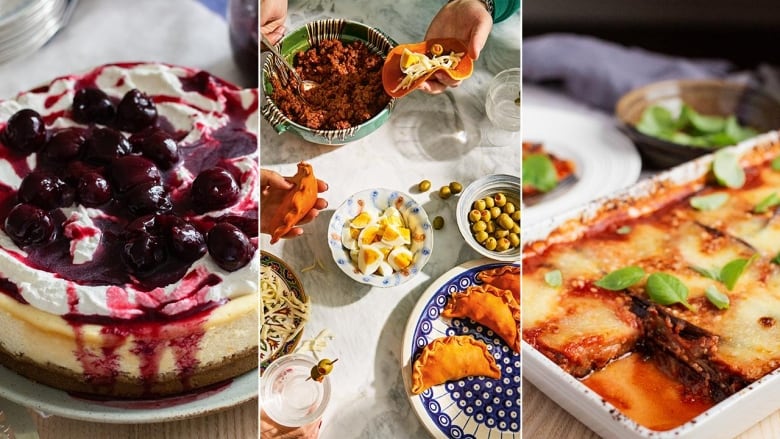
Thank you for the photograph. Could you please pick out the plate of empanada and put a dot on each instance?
(461, 352)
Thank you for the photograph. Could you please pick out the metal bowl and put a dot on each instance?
(488, 186)
(302, 39)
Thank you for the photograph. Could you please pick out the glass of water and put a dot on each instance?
(288, 394)
(502, 106)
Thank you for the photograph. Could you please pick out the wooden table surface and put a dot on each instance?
(240, 422)
(543, 418)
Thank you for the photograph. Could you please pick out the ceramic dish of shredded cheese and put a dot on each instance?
(285, 309)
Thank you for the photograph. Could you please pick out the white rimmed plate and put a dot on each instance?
(474, 407)
(56, 402)
(414, 217)
(605, 159)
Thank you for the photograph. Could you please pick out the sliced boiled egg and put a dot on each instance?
(363, 219)
(400, 258)
(391, 217)
(349, 237)
(395, 236)
(369, 259)
(369, 235)
(384, 269)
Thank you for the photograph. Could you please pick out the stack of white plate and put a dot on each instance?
(26, 25)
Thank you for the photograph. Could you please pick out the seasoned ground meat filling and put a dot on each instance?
(350, 86)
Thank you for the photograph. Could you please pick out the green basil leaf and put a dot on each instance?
(727, 170)
(623, 230)
(704, 124)
(709, 202)
(655, 121)
(731, 272)
(539, 172)
(776, 164)
(768, 202)
(738, 132)
(713, 274)
(621, 279)
(717, 297)
(666, 289)
(554, 278)
(776, 259)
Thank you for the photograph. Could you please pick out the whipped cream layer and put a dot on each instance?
(215, 124)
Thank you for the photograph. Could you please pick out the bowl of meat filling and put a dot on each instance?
(344, 58)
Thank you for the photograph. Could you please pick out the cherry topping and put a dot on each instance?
(229, 246)
(27, 225)
(135, 112)
(106, 144)
(65, 145)
(143, 252)
(157, 145)
(25, 131)
(187, 243)
(213, 189)
(92, 105)
(93, 189)
(131, 170)
(45, 190)
(148, 198)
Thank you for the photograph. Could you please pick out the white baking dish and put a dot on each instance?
(724, 420)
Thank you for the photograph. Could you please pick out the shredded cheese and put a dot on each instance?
(416, 65)
(317, 344)
(284, 314)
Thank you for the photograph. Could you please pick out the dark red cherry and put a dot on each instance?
(45, 190)
(229, 246)
(213, 189)
(65, 145)
(135, 112)
(73, 171)
(143, 252)
(92, 105)
(25, 131)
(106, 144)
(157, 145)
(131, 170)
(148, 198)
(187, 243)
(144, 224)
(27, 225)
(93, 189)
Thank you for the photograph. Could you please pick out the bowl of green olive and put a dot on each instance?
(488, 215)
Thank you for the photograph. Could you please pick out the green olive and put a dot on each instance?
(499, 199)
(445, 192)
(505, 221)
(509, 207)
(474, 216)
(424, 185)
(502, 244)
(495, 211)
(479, 226)
(456, 187)
(515, 228)
(516, 216)
(489, 202)
(479, 205)
(491, 227)
(490, 243)
(501, 233)
(484, 215)
(514, 240)
(438, 223)
(481, 236)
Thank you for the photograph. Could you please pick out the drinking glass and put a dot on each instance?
(502, 106)
(289, 396)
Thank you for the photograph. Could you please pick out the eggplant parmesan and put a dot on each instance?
(685, 274)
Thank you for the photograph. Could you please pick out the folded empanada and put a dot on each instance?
(452, 358)
(491, 307)
(506, 277)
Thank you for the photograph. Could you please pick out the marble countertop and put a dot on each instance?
(369, 397)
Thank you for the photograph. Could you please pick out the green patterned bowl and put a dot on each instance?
(310, 35)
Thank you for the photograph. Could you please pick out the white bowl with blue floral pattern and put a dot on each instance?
(415, 218)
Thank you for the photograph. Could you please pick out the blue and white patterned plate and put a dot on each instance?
(414, 216)
(474, 407)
